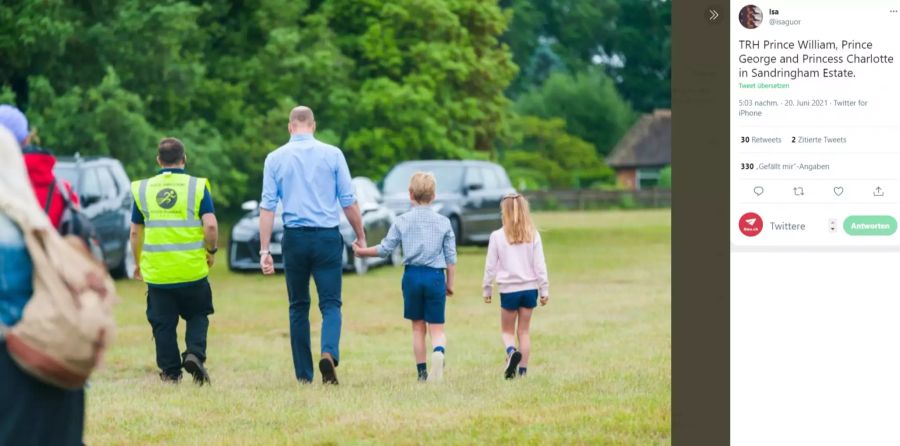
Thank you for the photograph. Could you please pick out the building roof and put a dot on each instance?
(648, 142)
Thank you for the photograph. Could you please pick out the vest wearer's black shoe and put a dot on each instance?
(193, 366)
(170, 379)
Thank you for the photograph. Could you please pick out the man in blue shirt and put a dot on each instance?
(312, 181)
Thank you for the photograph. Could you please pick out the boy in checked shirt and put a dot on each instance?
(429, 248)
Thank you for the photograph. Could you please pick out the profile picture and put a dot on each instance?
(751, 16)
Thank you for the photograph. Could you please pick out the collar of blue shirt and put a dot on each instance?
(302, 137)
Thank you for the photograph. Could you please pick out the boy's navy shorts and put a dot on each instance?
(424, 294)
(519, 299)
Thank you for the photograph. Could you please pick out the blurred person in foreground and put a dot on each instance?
(312, 181)
(174, 236)
(52, 193)
(31, 412)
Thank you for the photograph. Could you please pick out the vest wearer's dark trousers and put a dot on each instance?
(193, 303)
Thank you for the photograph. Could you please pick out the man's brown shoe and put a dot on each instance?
(326, 367)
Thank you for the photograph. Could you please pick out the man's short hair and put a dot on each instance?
(422, 186)
(171, 151)
(303, 115)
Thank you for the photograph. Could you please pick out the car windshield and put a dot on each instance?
(449, 177)
(67, 173)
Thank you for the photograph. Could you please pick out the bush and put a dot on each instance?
(665, 177)
(627, 201)
(541, 153)
(589, 178)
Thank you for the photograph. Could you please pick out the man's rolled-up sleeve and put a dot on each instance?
(344, 185)
(270, 187)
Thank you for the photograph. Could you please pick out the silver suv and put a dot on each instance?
(468, 193)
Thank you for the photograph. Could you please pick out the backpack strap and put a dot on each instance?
(50, 190)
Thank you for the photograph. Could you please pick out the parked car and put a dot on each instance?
(104, 190)
(243, 252)
(468, 193)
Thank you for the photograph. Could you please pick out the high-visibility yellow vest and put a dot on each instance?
(173, 232)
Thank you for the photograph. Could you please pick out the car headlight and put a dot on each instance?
(436, 207)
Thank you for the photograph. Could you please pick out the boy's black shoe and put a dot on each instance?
(423, 376)
(169, 379)
(326, 367)
(511, 365)
(193, 366)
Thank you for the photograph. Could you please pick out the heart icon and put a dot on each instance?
(839, 190)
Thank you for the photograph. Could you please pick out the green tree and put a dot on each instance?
(629, 39)
(33, 33)
(104, 119)
(431, 76)
(540, 153)
(389, 80)
(643, 40)
(160, 57)
(263, 59)
(542, 64)
(7, 96)
(588, 102)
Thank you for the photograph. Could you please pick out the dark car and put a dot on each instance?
(468, 193)
(243, 252)
(105, 194)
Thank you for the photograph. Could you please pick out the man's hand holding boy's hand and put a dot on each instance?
(361, 242)
(544, 300)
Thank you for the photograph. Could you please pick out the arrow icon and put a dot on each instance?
(713, 15)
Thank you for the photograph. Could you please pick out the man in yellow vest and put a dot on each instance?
(174, 234)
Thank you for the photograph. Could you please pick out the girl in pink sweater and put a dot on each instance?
(515, 259)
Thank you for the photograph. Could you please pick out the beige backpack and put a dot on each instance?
(68, 322)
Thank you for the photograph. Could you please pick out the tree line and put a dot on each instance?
(545, 87)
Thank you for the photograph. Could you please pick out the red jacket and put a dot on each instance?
(40, 170)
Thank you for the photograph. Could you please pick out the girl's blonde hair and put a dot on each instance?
(516, 219)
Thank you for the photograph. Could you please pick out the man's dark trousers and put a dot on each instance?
(316, 252)
(193, 303)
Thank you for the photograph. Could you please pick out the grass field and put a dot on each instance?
(599, 373)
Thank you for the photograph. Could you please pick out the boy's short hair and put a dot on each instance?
(171, 151)
(422, 186)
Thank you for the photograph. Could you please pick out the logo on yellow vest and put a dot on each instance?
(166, 198)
